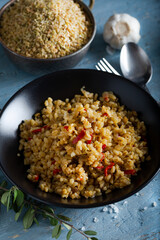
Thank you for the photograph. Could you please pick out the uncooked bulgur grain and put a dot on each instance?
(45, 28)
(83, 147)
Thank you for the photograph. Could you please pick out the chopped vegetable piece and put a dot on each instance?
(53, 162)
(37, 130)
(81, 178)
(89, 141)
(56, 171)
(69, 110)
(79, 137)
(40, 129)
(132, 171)
(46, 127)
(85, 110)
(66, 127)
(29, 139)
(107, 168)
(100, 167)
(105, 114)
(36, 178)
(104, 147)
(103, 156)
(106, 98)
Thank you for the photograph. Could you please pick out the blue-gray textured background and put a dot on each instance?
(131, 223)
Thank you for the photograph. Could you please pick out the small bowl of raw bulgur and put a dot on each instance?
(45, 34)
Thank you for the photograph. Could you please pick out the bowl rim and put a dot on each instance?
(87, 12)
(65, 205)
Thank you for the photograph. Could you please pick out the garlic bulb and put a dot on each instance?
(121, 29)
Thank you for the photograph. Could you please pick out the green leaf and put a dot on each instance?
(28, 218)
(19, 198)
(47, 215)
(67, 226)
(64, 218)
(59, 232)
(90, 232)
(15, 195)
(53, 221)
(4, 198)
(18, 213)
(55, 231)
(8, 199)
(36, 221)
(48, 209)
(94, 238)
(69, 234)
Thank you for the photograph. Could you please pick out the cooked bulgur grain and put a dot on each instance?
(45, 28)
(83, 147)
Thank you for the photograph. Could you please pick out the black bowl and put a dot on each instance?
(37, 65)
(65, 84)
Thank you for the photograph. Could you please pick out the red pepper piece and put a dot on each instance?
(37, 130)
(100, 167)
(105, 114)
(46, 127)
(40, 129)
(103, 156)
(79, 137)
(66, 127)
(89, 141)
(81, 178)
(132, 171)
(29, 139)
(106, 98)
(56, 171)
(36, 178)
(104, 147)
(107, 168)
(53, 162)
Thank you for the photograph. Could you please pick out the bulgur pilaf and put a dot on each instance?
(45, 28)
(83, 147)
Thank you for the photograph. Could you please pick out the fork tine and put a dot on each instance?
(105, 66)
(98, 68)
(111, 68)
(101, 67)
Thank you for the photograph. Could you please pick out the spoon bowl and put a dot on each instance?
(135, 64)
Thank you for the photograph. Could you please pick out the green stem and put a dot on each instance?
(60, 220)
(4, 189)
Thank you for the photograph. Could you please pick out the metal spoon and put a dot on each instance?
(135, 64)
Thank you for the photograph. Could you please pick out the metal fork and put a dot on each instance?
(105, 66)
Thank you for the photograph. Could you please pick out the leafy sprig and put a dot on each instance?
(16, 200)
